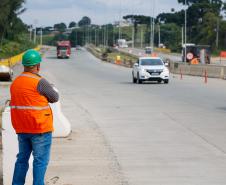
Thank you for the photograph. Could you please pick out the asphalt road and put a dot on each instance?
(132, 134)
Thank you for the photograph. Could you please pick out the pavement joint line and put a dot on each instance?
(122, 177)
(196, 134)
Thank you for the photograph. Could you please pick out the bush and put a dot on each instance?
(12, 48)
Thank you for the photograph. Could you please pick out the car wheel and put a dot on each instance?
(134, 79)
(139, 81)
(166, 81)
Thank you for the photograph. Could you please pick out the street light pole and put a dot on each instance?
(150, 30)
(35, 35)
(133, 34)
(159, 34)
(31, 32)
(119, 25)
(182, 36)
(153, 26)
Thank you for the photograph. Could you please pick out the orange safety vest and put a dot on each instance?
(194, 61)
(30, 111)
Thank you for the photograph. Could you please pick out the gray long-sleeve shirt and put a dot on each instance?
(47, 90)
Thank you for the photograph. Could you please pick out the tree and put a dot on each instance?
(137, 19)
(177, 18)
(72, 24)
(204, 6)
(85, 21)
(9, 11)
(61, 27)
(77, 37)
(170, 36)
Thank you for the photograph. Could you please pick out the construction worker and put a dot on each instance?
(195, 61)
(32, 119)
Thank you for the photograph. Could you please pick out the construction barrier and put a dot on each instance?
(214, 71)
(62, 128)
(162, 50)
(10, 150)
(15, 59)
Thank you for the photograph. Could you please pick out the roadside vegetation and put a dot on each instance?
(111, 55)
(14, 37)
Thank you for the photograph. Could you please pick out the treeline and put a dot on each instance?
(205, 22)
(12, 29)
(205, 26)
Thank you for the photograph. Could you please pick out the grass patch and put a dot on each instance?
(113, 56)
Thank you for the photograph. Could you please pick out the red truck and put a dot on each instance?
(63, 49)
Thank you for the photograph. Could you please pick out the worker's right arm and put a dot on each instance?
(47, 90)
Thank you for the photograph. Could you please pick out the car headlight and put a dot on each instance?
(166, 70)
(143, 70)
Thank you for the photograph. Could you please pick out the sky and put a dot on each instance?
(50, 12)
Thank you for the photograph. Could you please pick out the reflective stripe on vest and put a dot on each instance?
(29, 107)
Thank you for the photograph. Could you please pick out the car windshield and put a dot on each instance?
(151, 62)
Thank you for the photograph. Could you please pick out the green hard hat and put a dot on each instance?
(31, 58)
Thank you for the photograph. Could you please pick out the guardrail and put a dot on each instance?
(14, 60)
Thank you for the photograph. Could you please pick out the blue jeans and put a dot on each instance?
(39, 145)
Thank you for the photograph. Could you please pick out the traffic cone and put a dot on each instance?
(205, 77)
(181, 75)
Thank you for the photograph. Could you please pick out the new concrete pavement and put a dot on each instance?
(124, 133)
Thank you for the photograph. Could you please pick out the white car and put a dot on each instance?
(150, 69)
(6, 73)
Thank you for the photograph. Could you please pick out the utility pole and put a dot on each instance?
(182, 36)
(217, 39)
(104, 36)
(159, 34)
(35, 35)
(95, 37)
(107, 36)
(133, 35)
(141, 38)
(113, 37)
(185, 31)
(150, 31)
(119, 25)
(30, 32)
(152, 23)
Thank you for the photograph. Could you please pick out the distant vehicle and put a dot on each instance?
(122, 43)
(63, 49)
(148, 50)
(6, 73)
(200, 52)
(161, 45)
(150, 69)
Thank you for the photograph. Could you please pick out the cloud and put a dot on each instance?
(49, 12)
